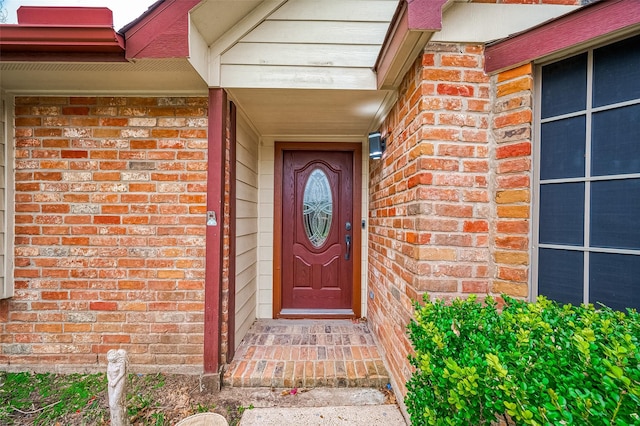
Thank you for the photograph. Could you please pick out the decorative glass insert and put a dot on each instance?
(317, 208)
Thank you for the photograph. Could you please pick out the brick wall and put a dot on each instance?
(429, 195)
(511, 130)
(450, 199)
(110, 232)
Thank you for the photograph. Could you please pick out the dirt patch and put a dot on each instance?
(156, 399)
(153, 399)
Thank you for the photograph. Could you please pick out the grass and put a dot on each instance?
(47, 397)
(81, 399)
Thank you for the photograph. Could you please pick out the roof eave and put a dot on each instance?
(61, 34)
(412, 26)
(596, 22)
(161, 32)
(54, 43)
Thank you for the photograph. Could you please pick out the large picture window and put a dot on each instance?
(588, 177)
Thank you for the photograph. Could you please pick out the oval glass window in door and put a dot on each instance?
(317, 208)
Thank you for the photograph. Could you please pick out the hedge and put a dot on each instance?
(533, 363)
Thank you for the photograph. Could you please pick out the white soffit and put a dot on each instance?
(231, 36)
(481, 23)
(313, 44)
(292, 112)
(145, 76)
(298, 68)
(213, 18)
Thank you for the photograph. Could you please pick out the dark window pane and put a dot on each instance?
(562, 213)
(560, 275)
(564, 86)
(614, 280)
(616, 141)
(562, 148)
(616, 72)
(615, 214)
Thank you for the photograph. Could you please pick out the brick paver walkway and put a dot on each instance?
(307, 353)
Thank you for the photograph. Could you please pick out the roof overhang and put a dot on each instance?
(75, 50)
(161, 32)
(62, 34)
(146, 77)
(413, 25)
(418, 22)
(180, 47)
(295, 68)
(594, 23)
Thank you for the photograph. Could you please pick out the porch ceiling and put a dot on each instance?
(285, 44)
(296, 112)
(296, 68)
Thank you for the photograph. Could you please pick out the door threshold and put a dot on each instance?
(316, 313)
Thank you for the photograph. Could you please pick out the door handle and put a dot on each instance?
(347, 240)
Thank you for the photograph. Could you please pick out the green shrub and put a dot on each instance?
(534, 363)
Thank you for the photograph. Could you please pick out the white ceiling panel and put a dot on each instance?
(294, 112)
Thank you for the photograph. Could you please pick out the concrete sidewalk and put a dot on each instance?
(351, 416)
(318, 406)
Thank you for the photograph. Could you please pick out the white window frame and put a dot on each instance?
(587, 179)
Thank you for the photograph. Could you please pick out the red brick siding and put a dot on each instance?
(429, 195)
(450, 200)
(511, 129)
(110, 231)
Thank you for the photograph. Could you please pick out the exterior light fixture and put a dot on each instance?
(377, 145)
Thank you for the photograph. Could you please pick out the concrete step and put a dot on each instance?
(318, 406)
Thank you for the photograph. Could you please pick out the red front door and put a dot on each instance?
(317, 233)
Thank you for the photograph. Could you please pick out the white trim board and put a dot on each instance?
(493, 21)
